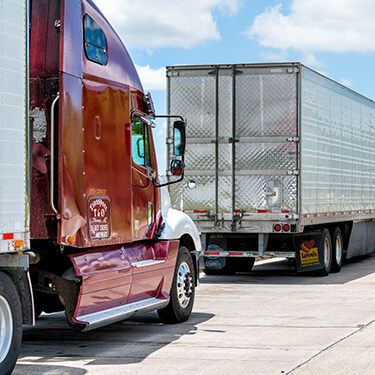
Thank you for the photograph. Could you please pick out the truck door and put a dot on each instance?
(143, 194)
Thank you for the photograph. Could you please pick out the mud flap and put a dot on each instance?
(309, 252)
(213, 263)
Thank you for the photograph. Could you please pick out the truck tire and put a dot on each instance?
(10, 325)
(327, 253)
(182, 292)
(337, 250)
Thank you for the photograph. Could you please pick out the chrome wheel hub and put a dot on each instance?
(339, 251)
(327, 251)
(184, 284)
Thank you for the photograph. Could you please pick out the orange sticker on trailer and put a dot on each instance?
(308, 253)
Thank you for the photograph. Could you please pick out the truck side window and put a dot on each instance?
(95, 42)
(140, 143)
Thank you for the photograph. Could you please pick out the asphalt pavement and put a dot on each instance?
(269, 321)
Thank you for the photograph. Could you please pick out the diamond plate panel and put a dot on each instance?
(225, 157)
(225, 106)
(253, 193)
(201, 198)
(266, 105)
(225, 194)
(263, 156)
(200, 156)
(194, 99)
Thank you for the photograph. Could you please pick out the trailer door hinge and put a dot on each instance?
(292, 139)
(293, 173)
(169, 141)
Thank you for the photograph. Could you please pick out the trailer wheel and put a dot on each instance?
(182, 292)
(337, 250)
(327, 253)
(10, 325)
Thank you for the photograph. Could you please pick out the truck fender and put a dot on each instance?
(178, 224)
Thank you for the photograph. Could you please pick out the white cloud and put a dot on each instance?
(346, 82)
(317, 25)
(152, 79)
(162, 130)
(274, 56)
(310, 59)
(166, 23)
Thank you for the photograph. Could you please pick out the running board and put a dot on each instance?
(102, 318)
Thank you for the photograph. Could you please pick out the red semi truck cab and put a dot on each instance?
(96, 219)
(104, 242)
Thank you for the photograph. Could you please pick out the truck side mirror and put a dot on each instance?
(177, 167)
(179, 138)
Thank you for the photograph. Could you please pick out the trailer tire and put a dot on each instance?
(327, 253)
(182, 291)
(10, 324)
(337, 250)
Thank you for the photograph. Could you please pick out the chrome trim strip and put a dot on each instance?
(146, 263)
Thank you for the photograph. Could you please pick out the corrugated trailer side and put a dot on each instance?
(14, 220)
(16, 300)
(337, 152)
(281, 154)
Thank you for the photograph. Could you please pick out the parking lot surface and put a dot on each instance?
(269, 321)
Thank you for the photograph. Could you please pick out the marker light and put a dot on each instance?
(70, 240)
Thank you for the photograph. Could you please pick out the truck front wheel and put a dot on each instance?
(182, 292)
(10, 325)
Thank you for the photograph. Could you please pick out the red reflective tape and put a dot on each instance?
(334, 214)
(325, 214)
(200, 212)
(264, 211)
(284, 211)
(350, 212)
(8, 236)
(342, 213)
(239, 211)
(212, 254)
(233, 253)
(305, 216)
(315, 215)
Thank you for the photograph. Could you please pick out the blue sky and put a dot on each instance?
(334, 37)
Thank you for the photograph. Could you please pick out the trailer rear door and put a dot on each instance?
(242, 138)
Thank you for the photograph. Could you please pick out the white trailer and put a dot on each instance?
(284, 162)
(15, 290)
